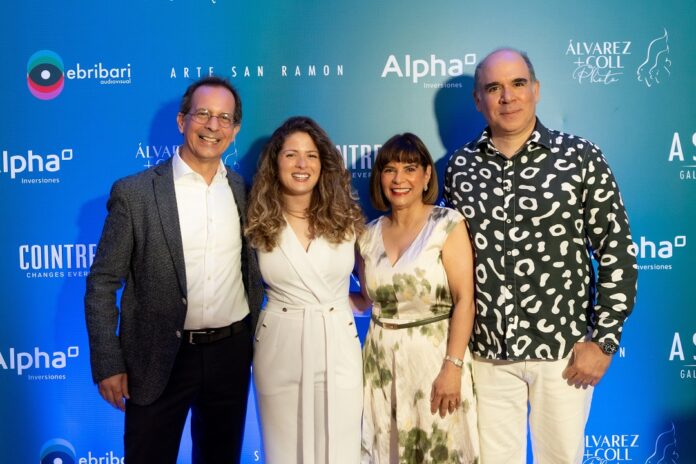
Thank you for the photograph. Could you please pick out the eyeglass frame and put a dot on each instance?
(204, 112)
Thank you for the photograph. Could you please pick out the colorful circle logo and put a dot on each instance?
(57, 451)
(45, 75)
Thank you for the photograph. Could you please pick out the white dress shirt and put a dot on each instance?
(211, 237)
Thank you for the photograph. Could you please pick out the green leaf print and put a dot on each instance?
(436, 331)
(385, 295)
(416, 445)
(450, 226)
(375, 366)
(419, 447)
(410, 287)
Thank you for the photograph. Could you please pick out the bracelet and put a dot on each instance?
(456, 361)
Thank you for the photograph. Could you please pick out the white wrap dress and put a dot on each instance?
(307, 358)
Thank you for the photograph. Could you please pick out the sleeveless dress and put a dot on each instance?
(307, 359)
(400, 365)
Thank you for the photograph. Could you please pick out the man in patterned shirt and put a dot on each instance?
(539, 205)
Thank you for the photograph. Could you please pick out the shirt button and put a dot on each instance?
(508, 253)
(178, 334)
(183, 300)
(509, 287)
(509, 221)
(511, 320)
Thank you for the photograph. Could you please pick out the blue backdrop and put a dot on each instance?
(90, 93)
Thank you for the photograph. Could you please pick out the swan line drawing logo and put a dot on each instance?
(656, 67)
(665, 448)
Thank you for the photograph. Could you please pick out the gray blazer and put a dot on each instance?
(140, 250)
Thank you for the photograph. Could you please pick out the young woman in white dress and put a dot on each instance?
(303, 222)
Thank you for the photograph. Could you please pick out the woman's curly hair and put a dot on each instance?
(333, 212)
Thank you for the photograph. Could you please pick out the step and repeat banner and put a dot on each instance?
(90, 94)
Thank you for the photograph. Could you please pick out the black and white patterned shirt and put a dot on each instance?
(534, 220)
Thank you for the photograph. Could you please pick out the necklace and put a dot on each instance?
(298, 214)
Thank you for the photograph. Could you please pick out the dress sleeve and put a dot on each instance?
(365, 240)
(448, 219)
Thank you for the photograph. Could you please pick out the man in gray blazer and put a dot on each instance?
(180, 339)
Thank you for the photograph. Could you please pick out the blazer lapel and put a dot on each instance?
(165, 198)
(239, 196)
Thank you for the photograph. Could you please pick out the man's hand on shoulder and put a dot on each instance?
(587, 365)
(114, 390)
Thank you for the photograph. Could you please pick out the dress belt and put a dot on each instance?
(406, 325)
(307, 382)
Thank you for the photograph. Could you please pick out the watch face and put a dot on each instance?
(609, 347)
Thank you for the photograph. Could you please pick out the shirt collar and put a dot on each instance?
(181, 169)
(539, 136)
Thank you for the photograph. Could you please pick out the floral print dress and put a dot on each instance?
(400, 365)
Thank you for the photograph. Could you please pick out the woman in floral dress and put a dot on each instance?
(418, 271)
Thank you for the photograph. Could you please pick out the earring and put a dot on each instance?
(426, 188)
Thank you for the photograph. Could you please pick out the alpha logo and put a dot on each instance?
(665, 451)
(57, 451)
(609, 449)
(31, 163)
(606, 62)
(46, 74)
(657, 64)
(56, 260)
(687, 356)
(687, 170)
(22, 361)
(664, 250)
(45, 77)
(433, 66)
(359, 158)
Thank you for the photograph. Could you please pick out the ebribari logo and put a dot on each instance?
(57, 451)
(45, 75)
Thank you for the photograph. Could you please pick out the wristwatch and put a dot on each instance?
(608, 347)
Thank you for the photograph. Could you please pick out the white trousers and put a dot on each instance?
(308, 377)
(506, 391)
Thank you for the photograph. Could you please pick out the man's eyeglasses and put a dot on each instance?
(203, 116)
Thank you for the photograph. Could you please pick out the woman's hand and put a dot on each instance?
(445, 394)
